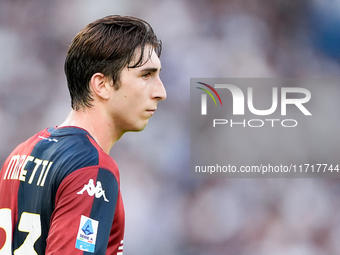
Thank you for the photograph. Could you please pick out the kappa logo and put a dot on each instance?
(92, 190)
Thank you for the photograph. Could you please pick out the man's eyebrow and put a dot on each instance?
(150, 69)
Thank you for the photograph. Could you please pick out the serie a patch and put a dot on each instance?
(87, 234)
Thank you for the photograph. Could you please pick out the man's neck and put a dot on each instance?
(92, 121)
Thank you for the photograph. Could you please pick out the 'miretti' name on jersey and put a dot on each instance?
(16, 169)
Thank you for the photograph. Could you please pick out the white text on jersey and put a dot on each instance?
(16, 169)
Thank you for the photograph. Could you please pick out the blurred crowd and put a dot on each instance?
(167, 211)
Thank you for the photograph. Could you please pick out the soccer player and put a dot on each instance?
(60, 190)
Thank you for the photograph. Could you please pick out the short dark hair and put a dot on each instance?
(106, 46)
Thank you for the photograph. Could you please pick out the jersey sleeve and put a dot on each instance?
(84, 210)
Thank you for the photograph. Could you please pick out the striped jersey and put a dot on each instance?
(60, 194)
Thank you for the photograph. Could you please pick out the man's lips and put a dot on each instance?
(151, 111)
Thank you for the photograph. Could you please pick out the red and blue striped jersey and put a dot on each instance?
(60, 194)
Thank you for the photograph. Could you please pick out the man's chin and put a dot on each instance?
(139, 127)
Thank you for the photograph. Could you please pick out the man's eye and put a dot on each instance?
(145, 76)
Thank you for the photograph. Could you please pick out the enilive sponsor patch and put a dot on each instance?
(87, 234)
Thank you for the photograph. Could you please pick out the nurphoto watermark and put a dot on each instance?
(264, 127)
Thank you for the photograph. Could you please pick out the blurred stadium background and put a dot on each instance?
(167, 212)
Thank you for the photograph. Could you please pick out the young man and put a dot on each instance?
(60, 190)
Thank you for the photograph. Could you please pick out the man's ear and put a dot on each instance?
(100, 85)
